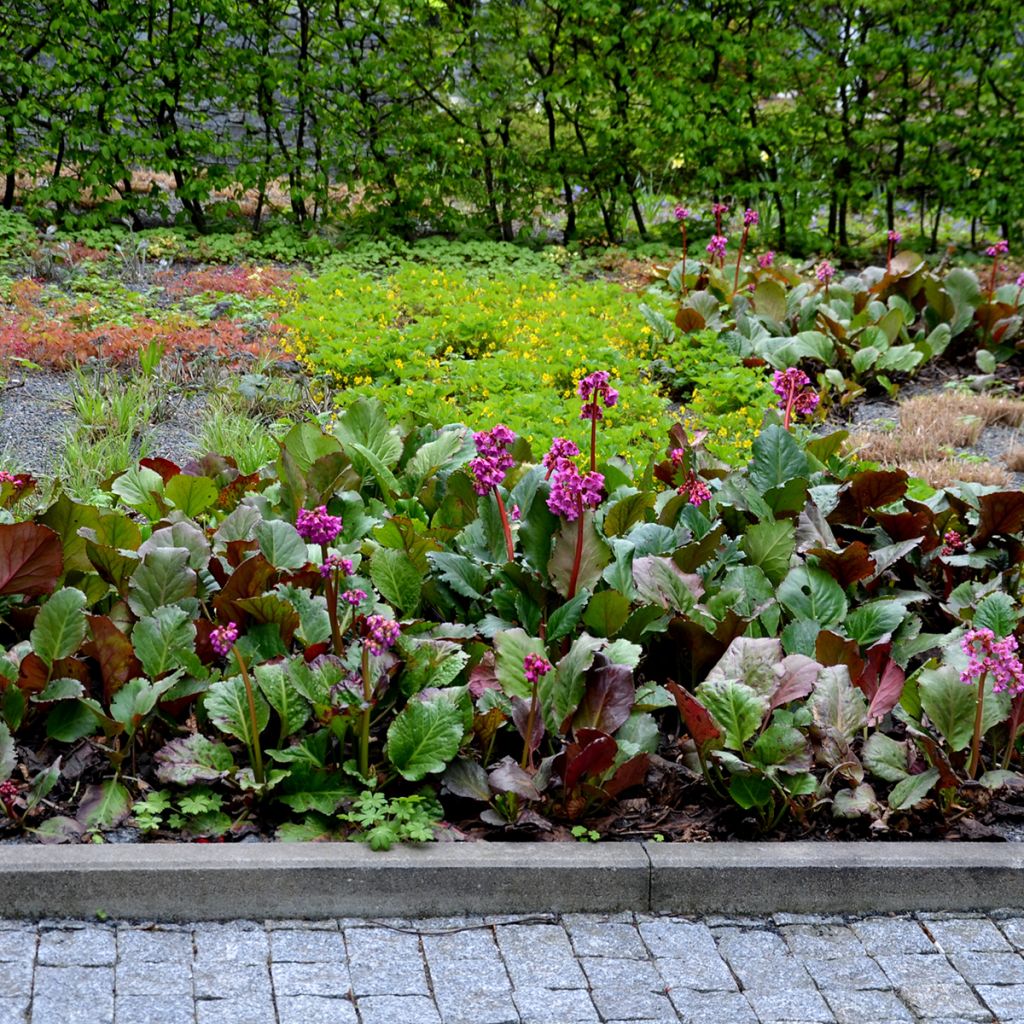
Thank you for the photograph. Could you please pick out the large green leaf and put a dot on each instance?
(164, 577)
(770, 545)
(871, 622)
(431, 457)
(396, 578)
(193, 759)
(952, 705)
(464, 575)
(191, 494)
(777, 458)
(736, 708)
(562, 690)
(511, 647)
(281, 544)
(59, 627)
(996, 612)
(227, 705)
(913, 789)
(837, 706)
(141, 488)
(165, 641)
(292, 708)
(565, 618)
(660, 581)
(8, 755)
(812, 594)
(105, 805)
(607, 612)
(424, 737)
(136, 699)
(885, 757)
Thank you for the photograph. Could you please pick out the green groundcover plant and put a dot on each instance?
(396, 624)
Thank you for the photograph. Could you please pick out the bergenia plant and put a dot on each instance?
(988, 656)
(1001, 248)
(750, 219)
(683, 215)
(893, 238)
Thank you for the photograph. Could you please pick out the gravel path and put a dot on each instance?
(547, 969)
(36, 413)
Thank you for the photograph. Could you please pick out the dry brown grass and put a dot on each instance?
(932, 424)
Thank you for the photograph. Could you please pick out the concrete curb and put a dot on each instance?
(190, 883)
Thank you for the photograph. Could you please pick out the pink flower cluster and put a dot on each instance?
(717, 246)
(223, 638)
(750, 218)
(682, 213)
(988, 656)
(766, 259)
(824, 271)
(335, 563)
(381, 634)
(1001, 248)
(353, 597)
(895, 237)
(562, 449)
(317, 526)
(593, 388)
(535, 666)
(719, 208)
(695, 490)
(953, 543)
(493, 460)
(9, 478)
(794, 389)
(572, 491)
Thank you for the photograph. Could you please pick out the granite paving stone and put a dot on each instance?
(967, 935)
(859, 1006)
(83, 947)
(539, 957)
(554, 1006)
(822, 941)
(241, 943)
(154, 1009)
(311, 979)
(231, 980)
(671, 938)
(18, 944)
(257, 1010)
(699, 971)
(593, 935)
(385, 962)
(308, 947)
(746, 944)
(315, 1010)
(1011, 927)
(918, 969)
(1003, 1000)
(471, 944)
(943, 1000)
(892, 935)
(855, 972)
(13, 1009)
(989, 968)
(773, 1006)
(53, 1010)
(711, 1007)
(397, 1010)
(142, 978)
(17, 978)
(770, 972)
(153, 946)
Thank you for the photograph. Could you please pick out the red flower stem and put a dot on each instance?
(593, 434)
(578, 557)
(791, 398)
(527, 758)
(509, 546)
(888, 258)
(739, 257)
(364, 719)
(685, 289)
(972, 769)
(257, 754)
(992, 279)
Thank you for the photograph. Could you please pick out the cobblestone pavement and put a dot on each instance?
(934, 968)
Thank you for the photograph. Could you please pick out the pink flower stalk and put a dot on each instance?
(766, 259)
(677, 455)
(381, 634)
(824, 272)
(1001, 248)
(493, 459)
(9, 478)
(593, 388)
(353, 597)
(894, 238)
(718, 209)
(1020, 288)
(682, 213)
(572, 491)
(317, 526)
(796, 396)
(696, 491)
(535, 666)
(335, 563)
(716, 248)
(561, 450)
(223, 638)
(750, 218)
(8, 794)
(987, 656)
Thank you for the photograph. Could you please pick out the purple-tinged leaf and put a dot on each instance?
(608, 698)
(509, 777)
(31, 559)
(797, 675)
(521, 720)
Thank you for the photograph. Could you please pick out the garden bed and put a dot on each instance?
(605, 623)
